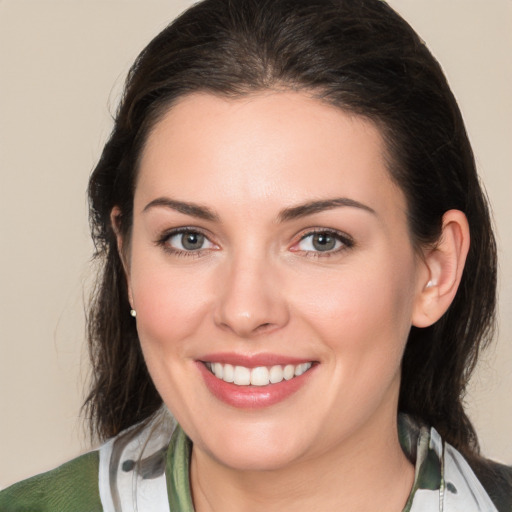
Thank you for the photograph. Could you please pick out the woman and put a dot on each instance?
(298, 265)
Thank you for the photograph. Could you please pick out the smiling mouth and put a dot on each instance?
(259, 376)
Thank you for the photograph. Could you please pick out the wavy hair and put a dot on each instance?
(362, 57)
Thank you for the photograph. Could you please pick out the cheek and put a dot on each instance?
(361, 311)
(170, 305)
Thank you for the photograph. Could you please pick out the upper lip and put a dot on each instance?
(253, 360)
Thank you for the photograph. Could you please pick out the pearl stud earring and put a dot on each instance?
(133, 313)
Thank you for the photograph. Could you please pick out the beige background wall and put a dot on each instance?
(61, 67)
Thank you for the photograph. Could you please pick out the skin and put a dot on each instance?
(258, 286)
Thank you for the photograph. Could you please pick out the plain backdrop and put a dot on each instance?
(62, 64)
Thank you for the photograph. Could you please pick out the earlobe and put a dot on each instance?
(444, 265)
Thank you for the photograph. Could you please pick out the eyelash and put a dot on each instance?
(163, 242)
(346, 243)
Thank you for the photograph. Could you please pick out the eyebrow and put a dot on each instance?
(192, 209)
(291, 213)
(296, 212)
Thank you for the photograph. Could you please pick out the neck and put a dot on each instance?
(367, 472)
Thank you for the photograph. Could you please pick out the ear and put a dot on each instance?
(115, 220)
(443, 267)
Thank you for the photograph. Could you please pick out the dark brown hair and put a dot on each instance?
(360, 56)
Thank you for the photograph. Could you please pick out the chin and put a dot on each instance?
(254, 449)
(271, 458)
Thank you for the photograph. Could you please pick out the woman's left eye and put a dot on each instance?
(323, 241)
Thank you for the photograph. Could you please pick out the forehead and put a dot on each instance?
(275, 148)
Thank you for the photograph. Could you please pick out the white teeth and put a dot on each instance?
(259, 376)
(217, 370)
(301, 368)
(276, 374)
(229, 373)
(242, 376)
(289, 371)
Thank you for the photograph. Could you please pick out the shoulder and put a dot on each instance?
(497, 480)
(70, 487)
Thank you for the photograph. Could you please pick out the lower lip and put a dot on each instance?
(252, 397)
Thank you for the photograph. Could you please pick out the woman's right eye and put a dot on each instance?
(184, 241)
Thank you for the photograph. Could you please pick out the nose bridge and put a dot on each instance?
(249, 299)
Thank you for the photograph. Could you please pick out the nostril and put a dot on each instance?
(263, 327)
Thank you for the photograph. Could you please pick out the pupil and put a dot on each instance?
(192, 241)
(323, 242)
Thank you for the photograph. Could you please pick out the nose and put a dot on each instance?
(250, 300)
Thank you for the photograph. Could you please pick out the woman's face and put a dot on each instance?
(268, 240)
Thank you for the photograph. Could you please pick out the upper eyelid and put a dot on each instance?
(340, 234)
(167, 233)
